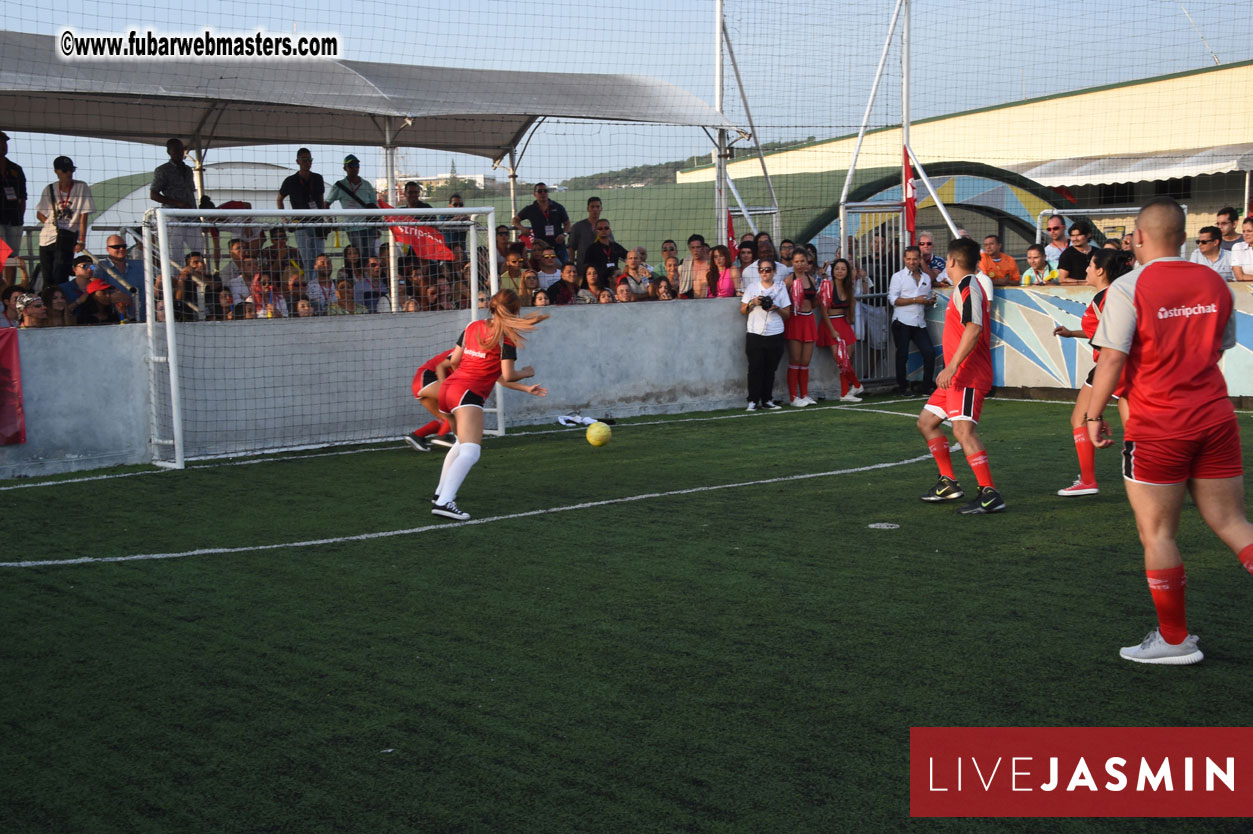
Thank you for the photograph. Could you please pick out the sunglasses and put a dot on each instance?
(1199, 241)
(117, 246)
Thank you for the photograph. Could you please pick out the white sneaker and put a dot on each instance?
(1155, 649)
(858, 391)
(850, 398)
(808, 400)
(797, 402)
(751, 407)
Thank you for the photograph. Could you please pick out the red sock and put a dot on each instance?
(939, 451)
(791, 382)
(1246, 558)
(1087, 455)
(429, 428)
(803, 378)
(1167, 588)
(979, 463)
(844, 385)
(445, 427)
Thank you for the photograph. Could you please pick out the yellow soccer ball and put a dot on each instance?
(598, 434)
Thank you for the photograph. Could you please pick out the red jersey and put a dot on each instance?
(1173, 319)
(968, 304)
(1092, 319)
(479, 368)
(432, 363)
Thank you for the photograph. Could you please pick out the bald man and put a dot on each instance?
(1164, 328)
(122, 273)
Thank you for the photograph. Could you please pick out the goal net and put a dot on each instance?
(303, 329)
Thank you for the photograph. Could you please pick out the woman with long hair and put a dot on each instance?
(58, 308)
(838, 295)
(1105, 266)
(485, 352)
(724, 275)
(801, 330)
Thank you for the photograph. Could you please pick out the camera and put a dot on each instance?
(767, 303)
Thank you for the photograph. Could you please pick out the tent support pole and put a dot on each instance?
(513, 190)
(865, 119)
(777, 224)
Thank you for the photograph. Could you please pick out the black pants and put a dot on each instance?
(764, 353)
(902, 335)
(56, 260)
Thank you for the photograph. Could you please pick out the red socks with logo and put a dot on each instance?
(1167, 587)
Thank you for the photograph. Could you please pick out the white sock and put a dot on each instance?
(457, 471)
(448, 459)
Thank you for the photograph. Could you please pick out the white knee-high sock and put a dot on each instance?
(448, 459)
(457, 471)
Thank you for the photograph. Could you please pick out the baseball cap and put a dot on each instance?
(63, 163)
(83, 259)
(351, 159)
(98, 284)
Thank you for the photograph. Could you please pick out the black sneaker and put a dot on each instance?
(450, 510)
(770, 405)
(418, 443)
(435, 500)
(989, 501)
(444, 440)
(945, 489)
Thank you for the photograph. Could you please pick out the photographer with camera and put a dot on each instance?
(767, 304)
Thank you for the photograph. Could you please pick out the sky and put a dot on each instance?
(807, 65)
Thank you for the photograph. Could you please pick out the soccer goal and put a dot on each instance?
(303, 329)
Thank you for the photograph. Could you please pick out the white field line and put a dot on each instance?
(392, 448)
(217, 551)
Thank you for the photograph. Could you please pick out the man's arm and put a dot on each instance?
(970, 338)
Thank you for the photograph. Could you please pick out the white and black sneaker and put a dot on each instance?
(450, 510)
(419, 444)
(751, 407)
(446, 440)
(771, 405)
(435, 500)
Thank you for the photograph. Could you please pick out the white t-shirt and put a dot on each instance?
(762, 322)
(63, 212)
(1242, 256)
(547, 279)
(750, 273)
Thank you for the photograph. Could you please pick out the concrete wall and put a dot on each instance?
(342, 379)
(85, 395)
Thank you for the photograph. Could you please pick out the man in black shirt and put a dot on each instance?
(548, 220)
(306, 190)
(1072, 265)
(12, 207)
(604, 253)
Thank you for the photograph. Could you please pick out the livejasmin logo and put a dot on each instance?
(1081, 771)
(1020, 770)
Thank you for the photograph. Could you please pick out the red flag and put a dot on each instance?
(5, 252)
(426, 241)
(12, 418)
(911, 200)
(731, 244)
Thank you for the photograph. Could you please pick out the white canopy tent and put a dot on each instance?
(219, 103)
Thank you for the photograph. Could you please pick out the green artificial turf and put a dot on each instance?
(748, 658)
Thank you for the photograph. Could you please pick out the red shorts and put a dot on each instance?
(956, 403)
(454, 394)
(1214, 453)
(841, 327)
(801, 328)
(424, 377)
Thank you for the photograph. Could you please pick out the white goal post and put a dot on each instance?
(277, 372)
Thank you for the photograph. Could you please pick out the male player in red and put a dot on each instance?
(1165, 326)
(962, 385)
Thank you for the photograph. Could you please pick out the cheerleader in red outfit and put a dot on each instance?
(837, 297)
(426, 382)
(801, 330)
(485, 353)
(1104, 268)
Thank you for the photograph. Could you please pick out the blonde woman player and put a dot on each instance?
(485, 353)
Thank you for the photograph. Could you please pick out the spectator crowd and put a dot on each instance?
(287, 270)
